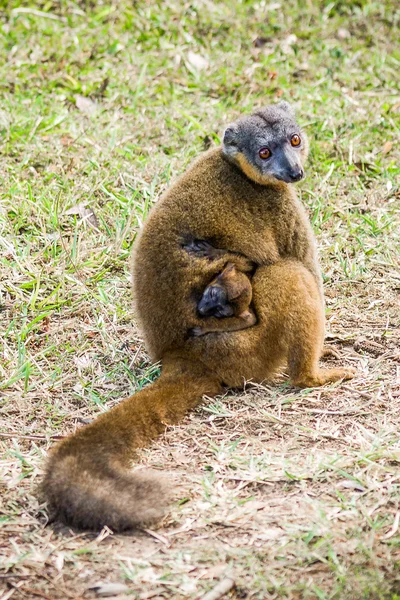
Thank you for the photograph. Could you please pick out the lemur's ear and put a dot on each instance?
(229, 271)
(286, 107)
(231, 135)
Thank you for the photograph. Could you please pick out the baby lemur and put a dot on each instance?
(229, 296)
(238, 200)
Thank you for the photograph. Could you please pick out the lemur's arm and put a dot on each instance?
(242, 250)
(203, 249)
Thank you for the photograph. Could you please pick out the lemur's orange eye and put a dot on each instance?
(264, 153)
(295, 140)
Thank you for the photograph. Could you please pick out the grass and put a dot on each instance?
(103, 104)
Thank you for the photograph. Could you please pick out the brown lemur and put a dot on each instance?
(238, 201)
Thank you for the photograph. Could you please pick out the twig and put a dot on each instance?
(157, 536)
(35, 593)
(248, 481)
(11, 592)
(31, 437)
(308, 431)
(38, 13)
(317, 411)
(223, 587)
(393, 529)
(358, 392)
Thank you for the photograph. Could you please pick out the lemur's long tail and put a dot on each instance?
(88, 482)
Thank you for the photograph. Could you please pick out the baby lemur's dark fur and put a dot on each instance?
(240, 200)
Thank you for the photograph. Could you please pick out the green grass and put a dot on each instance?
(103, 105)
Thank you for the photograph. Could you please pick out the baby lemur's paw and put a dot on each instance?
(196, 332)
(249, 318)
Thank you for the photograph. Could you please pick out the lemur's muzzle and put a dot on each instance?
(291, 169)
(296, 174)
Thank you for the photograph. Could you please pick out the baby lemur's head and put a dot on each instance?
(268, 145)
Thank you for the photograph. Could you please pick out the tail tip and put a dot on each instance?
(90, 499)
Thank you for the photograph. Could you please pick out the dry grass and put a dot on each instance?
(293, 493)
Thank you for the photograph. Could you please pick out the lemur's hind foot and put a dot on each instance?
(323, 376)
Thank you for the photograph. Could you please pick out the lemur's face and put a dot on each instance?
(268, 145)
(214, 302)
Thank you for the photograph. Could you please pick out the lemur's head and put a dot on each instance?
(214, 302)
(268, 145)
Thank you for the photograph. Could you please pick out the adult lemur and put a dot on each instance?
(234, 205)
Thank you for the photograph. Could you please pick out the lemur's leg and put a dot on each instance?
(288, 304)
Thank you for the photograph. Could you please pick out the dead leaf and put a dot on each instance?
(66, 140)
(386, 148)
(85, 105)
(59, 561)
(393, 529)
(303, 68)
(369, 347)
(106, 590)
(83, 362)
(180, 458)
(214, 572)
(84, 420)
(102, 88)
(86, 214)
(197, 61)
(220, 590)
(253, 505)
(342, 33)
(156, 593)
(349, 484)
(287, 43)
(259, 42)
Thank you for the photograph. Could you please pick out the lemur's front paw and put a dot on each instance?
(202, 249)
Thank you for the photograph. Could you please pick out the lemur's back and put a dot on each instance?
(164, 279)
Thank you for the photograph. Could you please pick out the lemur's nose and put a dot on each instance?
(296, 175)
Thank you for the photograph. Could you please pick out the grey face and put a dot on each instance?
(271, 142)
(214, 303)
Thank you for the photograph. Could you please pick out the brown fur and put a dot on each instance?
(87, 481)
